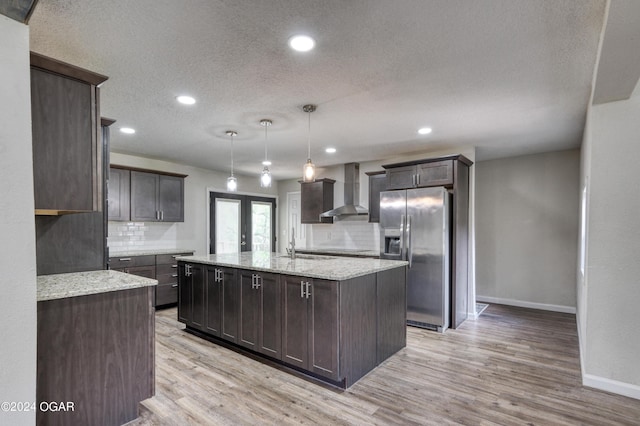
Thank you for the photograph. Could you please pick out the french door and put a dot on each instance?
(241, 223)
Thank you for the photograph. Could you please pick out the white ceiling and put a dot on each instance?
(507, 76)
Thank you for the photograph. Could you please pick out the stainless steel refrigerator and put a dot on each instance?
(414, 226)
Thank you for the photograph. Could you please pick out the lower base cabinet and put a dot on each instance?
(335, 330)
(310, 326)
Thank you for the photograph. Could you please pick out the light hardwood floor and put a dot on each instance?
(513, 366)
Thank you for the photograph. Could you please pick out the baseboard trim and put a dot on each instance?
(613, 386)
(525, 304)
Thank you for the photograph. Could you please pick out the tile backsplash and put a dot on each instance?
(141, 235)
(349, 232)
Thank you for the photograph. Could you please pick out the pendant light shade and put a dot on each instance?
(265, 176)
(309, 170)
(232, 182)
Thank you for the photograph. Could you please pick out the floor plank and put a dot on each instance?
(513, 366)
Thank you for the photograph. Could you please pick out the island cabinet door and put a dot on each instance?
(295, 328)
(213, 320)
(323, 325)
(230, 307)
(270, 332)
(184, 294)
(249, 310)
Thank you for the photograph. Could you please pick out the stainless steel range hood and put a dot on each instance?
(351, 205)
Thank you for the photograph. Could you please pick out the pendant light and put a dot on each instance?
(232, 182)
(309, 170)
(265, 177)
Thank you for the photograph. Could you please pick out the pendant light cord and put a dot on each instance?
(309, 137)
(232, 154)
(265, 142)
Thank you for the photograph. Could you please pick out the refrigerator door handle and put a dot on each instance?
(409, 245)
(403, 241)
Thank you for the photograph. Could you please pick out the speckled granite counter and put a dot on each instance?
(341, 252)
(60, 286)
(333, 268)
(146, 252)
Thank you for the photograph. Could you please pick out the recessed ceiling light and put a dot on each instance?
(330, 150)
(266, 163)
(127, 130)
(424, 130)
(187, 100)
(301, 43)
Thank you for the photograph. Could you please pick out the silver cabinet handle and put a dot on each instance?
(125, 259)
(258, 281)
(301, 288)
(174, 266)
(174, 275)
(174, 285)
(162, 215)
(308, 293)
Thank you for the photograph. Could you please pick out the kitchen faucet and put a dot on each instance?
(292, 251)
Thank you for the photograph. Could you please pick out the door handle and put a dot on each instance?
(125, 259)
(244, 243)
(307, 284)
(174, 285)
(409, 242)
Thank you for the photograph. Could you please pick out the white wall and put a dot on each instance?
(610, 291)
(193, 232)
(526, 230)
(17, 227)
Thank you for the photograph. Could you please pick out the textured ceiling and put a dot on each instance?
(507, 76)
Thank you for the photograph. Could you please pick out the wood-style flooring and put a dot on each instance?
(513, 366)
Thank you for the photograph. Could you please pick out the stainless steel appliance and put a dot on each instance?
(414, 226)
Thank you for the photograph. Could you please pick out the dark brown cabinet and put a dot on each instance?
(157, 197)
(119, 194)
(67, 144)
(316, 198)
(167, 275)
(191, 294)
(230, 307)
(143, 266)
(260, 313)
(216, 277)
(310, 325)
(377, 184)
(433, 173)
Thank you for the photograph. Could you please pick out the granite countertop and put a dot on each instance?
(341, 252)
(333, 268)
(60, 286)
(146, 252)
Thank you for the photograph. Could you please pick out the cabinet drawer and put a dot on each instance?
(170, 278)
(170, 259)
(166, 293)
(128, 261)
(167, 269)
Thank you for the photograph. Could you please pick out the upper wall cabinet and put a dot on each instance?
(157, 197)
(430, 173)
(67, 154)
(315, 199)
(119, 190)
(377, 184)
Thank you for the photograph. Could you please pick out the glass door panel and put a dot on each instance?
(227, 225)
(261, 232)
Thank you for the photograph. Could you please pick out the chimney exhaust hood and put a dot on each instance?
(351, 205)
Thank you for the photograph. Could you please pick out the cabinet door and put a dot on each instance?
(401, 177)
(295, 328)
(213, 322)
(119, 194)
(171, 198)
(184, 294)
(230, 306)
(144, 196)
(437, 173)
(197, 295)
(323, 325)
(270, 333)
(249, 309)
(316, 198)
(64, 138)
(377, 184)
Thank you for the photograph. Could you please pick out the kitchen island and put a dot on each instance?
(332, 318)
(95, 356)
